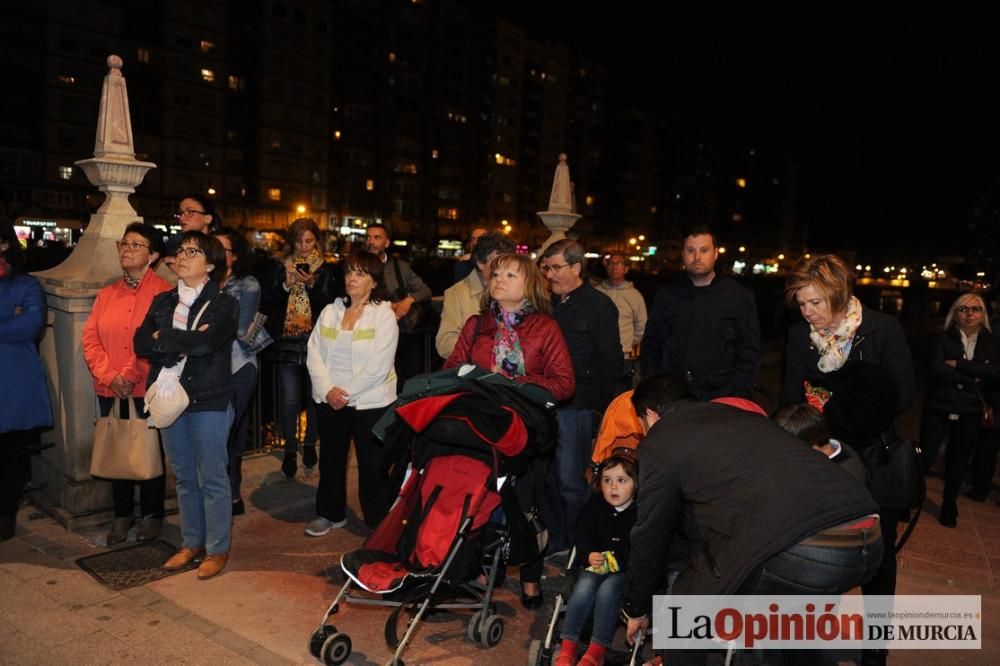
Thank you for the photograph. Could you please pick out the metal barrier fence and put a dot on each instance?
(263, 433)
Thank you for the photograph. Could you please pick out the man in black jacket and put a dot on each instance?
(758, 508)
(589, 322)
(703, 327)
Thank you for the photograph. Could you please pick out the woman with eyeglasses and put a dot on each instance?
(964, 374)
(852, 363)
(301, 285)
(250, 339)
(187, 336)
(194, 213)
(118, 373)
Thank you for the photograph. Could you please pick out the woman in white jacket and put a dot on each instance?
(350, 362)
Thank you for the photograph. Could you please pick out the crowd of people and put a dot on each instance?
(716, 499)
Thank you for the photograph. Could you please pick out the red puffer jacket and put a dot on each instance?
(546, 359)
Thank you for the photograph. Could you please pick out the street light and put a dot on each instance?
(300, 209)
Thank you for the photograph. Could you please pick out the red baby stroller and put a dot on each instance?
(437, 538)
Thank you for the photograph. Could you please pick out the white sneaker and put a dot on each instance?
(320, 526)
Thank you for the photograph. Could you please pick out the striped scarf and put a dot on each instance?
(185, 297)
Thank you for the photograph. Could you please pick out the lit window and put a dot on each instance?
(65, 172)
(211, 190)
(434, 154)
(67, 79)
(336, 135)
(235, 83)
(505, 161)
(207, 47)
(370, 185)
(392, 57)
(208, 75)
(589, 200)
(142, 55)
(741, 183)
(274, 193)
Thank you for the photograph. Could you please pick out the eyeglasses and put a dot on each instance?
(552, 268)
(188, 212)
(189, 252)
(616, 263)
(135, 247)
(969, 308)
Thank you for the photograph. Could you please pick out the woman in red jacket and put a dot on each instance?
(515, 336)
(118, 373)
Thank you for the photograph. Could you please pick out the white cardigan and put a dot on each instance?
(373, 348)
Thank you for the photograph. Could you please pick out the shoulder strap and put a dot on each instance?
(399, 278)
(475, 334)
(200, 313)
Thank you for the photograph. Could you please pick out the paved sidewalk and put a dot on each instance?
(278, 583)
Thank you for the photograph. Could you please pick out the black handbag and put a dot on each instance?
(897, 478)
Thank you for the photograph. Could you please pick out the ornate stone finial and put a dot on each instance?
(561, 199)
(561, 214)
(114, 64)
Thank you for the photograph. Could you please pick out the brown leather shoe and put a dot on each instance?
(212, 565)
(182, 558)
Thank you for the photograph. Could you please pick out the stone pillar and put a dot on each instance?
(561, 215)
(71, 494)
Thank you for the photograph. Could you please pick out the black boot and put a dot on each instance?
(949, 514)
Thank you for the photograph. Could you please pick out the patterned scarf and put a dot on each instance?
(298, 314)
(508, 356)
(834, 344)
(133, 282)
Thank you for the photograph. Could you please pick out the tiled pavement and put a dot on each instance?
(278, 583)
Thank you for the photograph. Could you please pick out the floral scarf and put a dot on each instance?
(834, 344)
(298, 314)
(508, 356)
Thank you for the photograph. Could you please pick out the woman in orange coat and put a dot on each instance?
(118, 373)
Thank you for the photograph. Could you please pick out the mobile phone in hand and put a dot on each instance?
(302, 267)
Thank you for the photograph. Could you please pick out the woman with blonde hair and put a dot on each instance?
(300, 287)
(964, 374)
(852, 363)
(515, 336)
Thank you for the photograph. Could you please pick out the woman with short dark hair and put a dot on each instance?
(350, 362)
(24, 391)
(187, 335)
(118, 373)
(300, 287)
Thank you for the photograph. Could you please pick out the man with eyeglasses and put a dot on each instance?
(630, 304)
(589, 322)
(703, 327)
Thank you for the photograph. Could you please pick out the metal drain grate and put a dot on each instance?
(132, 566)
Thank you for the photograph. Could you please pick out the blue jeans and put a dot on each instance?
(600, 594)
(566, 489)
(294, 387)
(802, 569)
(196, 447)
(245, 383)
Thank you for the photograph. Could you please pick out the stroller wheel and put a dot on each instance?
(472, 629)
(491, 632)
(318, 638)
(336, 649)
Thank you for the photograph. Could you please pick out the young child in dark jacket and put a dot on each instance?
(602, 545)
(808, 424)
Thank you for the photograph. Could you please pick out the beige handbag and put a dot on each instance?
(125, 448)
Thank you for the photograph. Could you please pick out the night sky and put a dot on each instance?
(894, 120)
